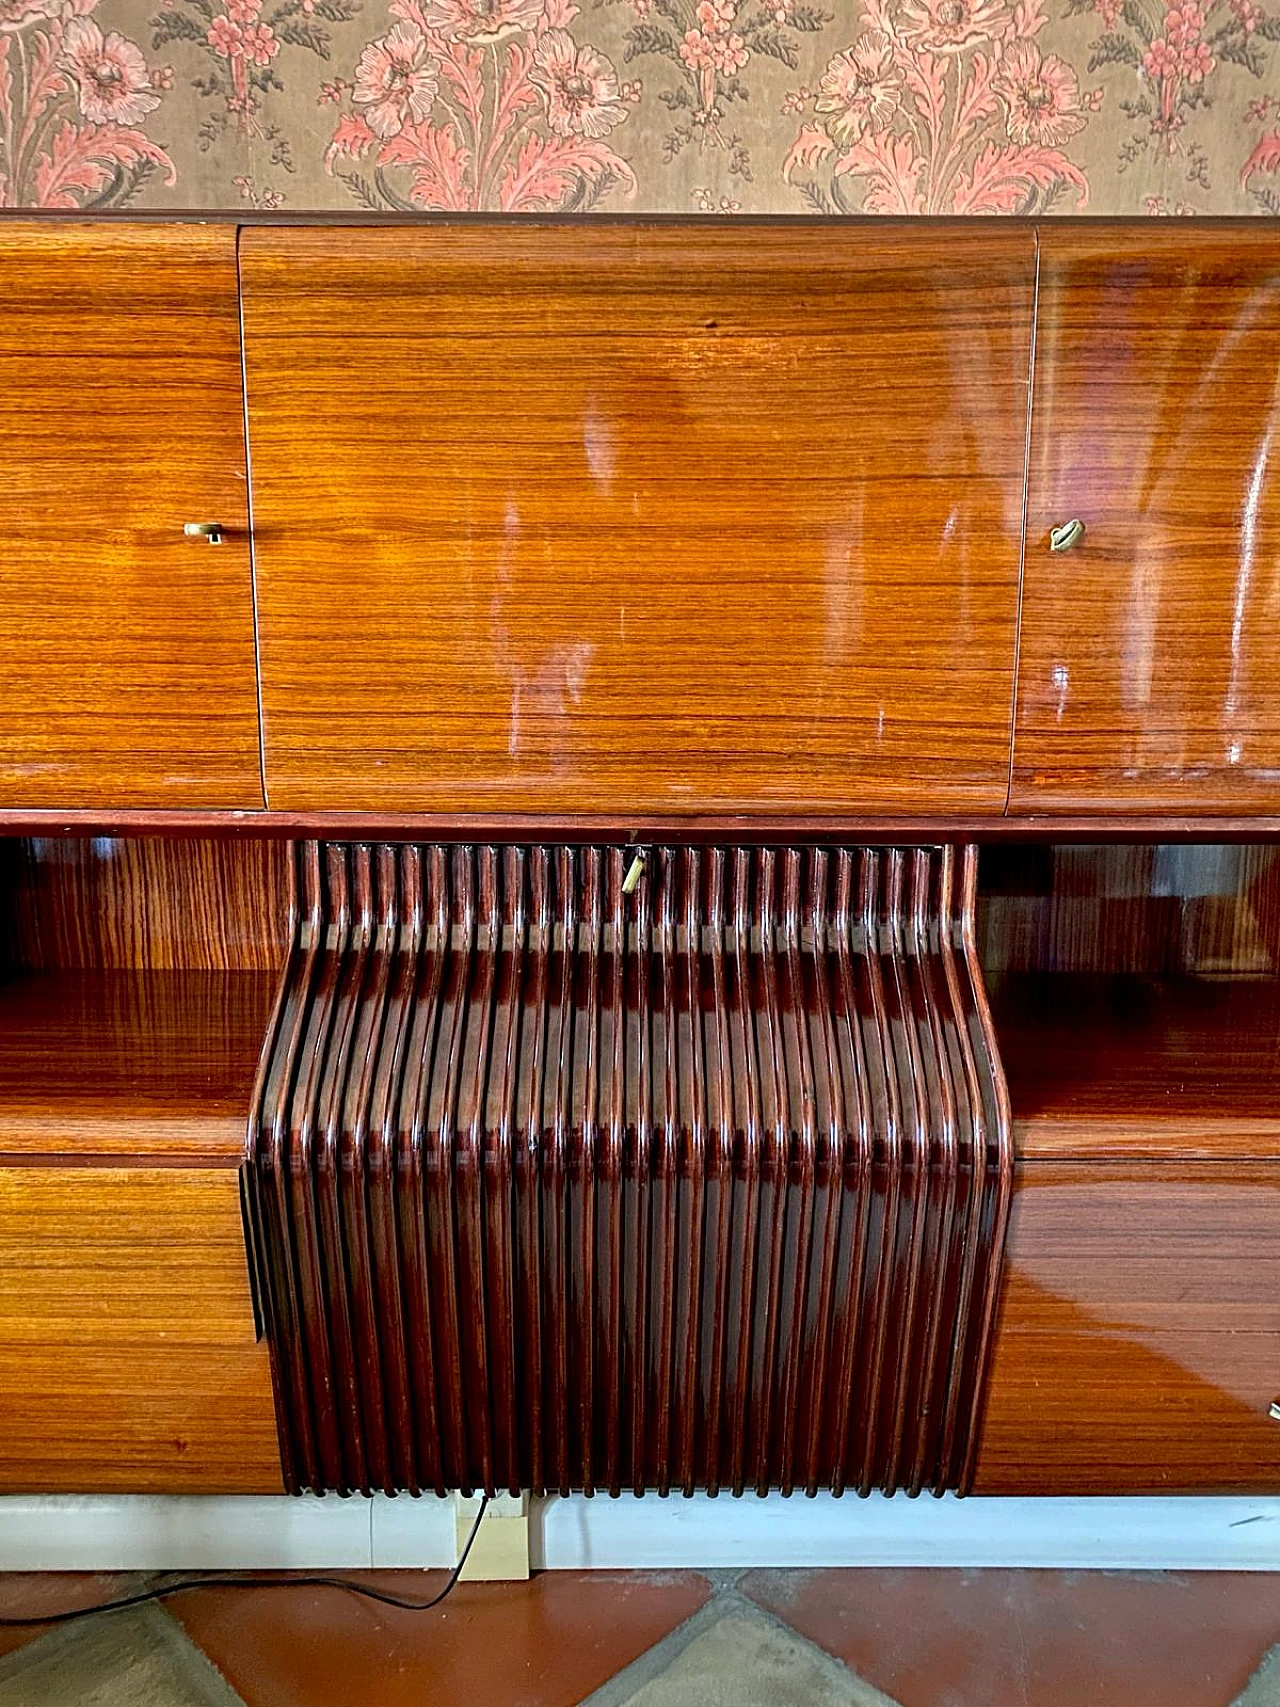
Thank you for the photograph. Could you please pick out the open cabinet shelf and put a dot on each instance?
(131, 1063)
(1117, 1064)
(1136, 998)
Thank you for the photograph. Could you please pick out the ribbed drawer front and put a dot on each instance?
(557, 1186)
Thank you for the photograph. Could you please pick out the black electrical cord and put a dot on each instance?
(185, 1584)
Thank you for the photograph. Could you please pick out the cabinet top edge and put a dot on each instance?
(1262, 227)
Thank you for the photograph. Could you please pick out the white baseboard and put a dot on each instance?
(153, 1532)
(1079, 1534)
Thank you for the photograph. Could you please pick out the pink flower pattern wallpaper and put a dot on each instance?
(672, 106)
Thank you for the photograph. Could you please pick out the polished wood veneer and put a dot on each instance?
(641, 525)
(127, 1353)
(1154, 909)
(558, 1185)
(130, 1064)
(1102, 1067)
(1138, 1348)
(1136, 997)
(136, 982)
(576, 541)
(153, 903)
(128, 675)
(1149, 653)
(637, 519)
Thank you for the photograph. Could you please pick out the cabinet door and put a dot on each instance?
(127, 668)
(618, 520)
(1138, 1349)
(128, 1361)
(1150, 650)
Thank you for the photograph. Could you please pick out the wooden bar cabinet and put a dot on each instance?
(639, 856)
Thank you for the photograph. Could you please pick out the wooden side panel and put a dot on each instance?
(127, 1353)
(128, 671)
(1149, 652)
(1101, 1068)
(162, 903)
(1139, 1342)
(1154, 909)
(637, 520)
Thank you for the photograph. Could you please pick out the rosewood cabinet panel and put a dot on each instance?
(127, 669)
(1138, 1349)
(127, 1352)
(625, 520)
(1149, 652)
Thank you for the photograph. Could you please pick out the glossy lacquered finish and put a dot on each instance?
(1136, 999)
(1138, 1348)
(127, 674)
(128, 1064)
(143, 903)
(634, 520)
(1136, 995)
(1152, 909)
(561, 1183)
(1110, 1066)
(128, 1361)
(1137, 1007)
(136, 983)
(1149, 651)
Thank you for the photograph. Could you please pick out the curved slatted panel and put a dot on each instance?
(559, 1183)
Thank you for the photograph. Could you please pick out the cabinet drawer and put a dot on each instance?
(127, 671)
(617, 521)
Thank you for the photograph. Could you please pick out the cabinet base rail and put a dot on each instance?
(605, 1168)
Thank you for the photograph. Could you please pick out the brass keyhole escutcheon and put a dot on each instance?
(210, 531)
(1063, 537)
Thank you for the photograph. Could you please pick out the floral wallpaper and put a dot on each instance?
(677, 106)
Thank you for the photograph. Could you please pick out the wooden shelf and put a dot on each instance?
(1129, 1067)
(140, 1065)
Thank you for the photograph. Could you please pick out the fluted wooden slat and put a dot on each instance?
(557, 1187)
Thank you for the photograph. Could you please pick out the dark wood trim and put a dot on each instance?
(370, 827)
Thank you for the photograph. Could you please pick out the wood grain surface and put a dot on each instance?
(149, 902)
(1138, 1349)
(1156, 909)
(1149, 653)
(127, 668)
(127, 1353)
(560, 1187)
(1109, 1066)
(637, 519)
(141, 1065)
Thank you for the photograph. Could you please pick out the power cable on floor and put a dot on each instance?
(184, 1585)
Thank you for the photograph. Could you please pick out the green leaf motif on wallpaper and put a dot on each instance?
(710, 44)
(243, 40)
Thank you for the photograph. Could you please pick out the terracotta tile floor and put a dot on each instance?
(874, 1638)
(25, 1595)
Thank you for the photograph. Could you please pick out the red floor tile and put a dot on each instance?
(1034, 1638)
(25, 1593)
(545, 1643)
